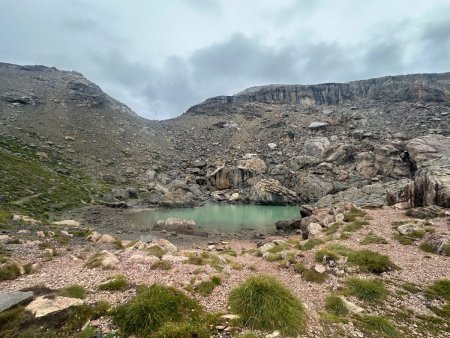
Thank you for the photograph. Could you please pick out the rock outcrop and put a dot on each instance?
(430, 158)
(270, 191)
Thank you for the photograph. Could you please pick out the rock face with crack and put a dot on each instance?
(271, 191)
(430, 155)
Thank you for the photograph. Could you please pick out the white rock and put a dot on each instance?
(174, 259)
(106, 239)
(68, 222)
(143, 259)
(320, 268)
(43, 306)
(272, 145)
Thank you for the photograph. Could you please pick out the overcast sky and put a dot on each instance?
(162, 56)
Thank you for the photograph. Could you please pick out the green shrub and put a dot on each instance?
(264, 303)
(73, 291)
(366, 289)
(336, 306)
(205, 288)
(182, 330)
(9, 271)
(116, 283)
(152, 308)
(161, 265)
(371, 238)
(299, 268)
(380, 325)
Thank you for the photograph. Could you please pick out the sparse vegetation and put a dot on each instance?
(73, 291)
(353, 214)
(156, 251)
(336, 306)
(370, 290)
(372, 238)
(264, 303)
(205, 288)
(310, 244)
(333, 228)
(366, 260)
(380, 325)
(355, 226)
(9, 271)
(439, 289)
(152, 308)
(182, 330)
(161, 265)
(116, 283)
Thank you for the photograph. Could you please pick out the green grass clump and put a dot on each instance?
(372, 238)
(366, 260)
(439, 289)
(116, 283)
(336, 306)
(311, 275)
(264, 303)
(310, 244)
(355, 226)
(380, 325)
(182, 330)
(205, 288)
(152, 308)
(9, 271)
(73, 291)
(5, 216)
(353, 214)
(156, 251)
(161, 265)
(196, 260)
(371, 290)
(332, 229)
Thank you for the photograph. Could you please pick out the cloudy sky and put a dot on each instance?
(162, 56)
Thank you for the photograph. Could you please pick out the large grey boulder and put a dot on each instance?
(15, 298)
(270, 191)
(430, 156)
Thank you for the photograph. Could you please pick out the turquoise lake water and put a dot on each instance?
(222, 218)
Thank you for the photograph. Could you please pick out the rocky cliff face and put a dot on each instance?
(424, 87)
(351, 141)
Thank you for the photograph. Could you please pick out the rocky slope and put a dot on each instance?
(272, 144)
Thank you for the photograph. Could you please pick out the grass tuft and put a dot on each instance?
(161, 265)
(116, 283)
(205, 288)
(353, 214)
(336, 306)
(371, 238)
(152, 308)
(264, 303)
(310, 244)
(73, 291)
(355, 226)
(371, 290)
(439, 289)
(182, 330)
(380, 325)
(9, 271)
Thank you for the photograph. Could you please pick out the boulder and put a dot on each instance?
(408, 229)
(439, 244)
(175, 224)
(142, 259)
(15, 298)
(225, 177)
(45, 305)
(290, 225)
(165, 245)
(179, 198)
(254, 163)
(108, 239)
(316, 146)
(270, 191)
(429, 157)
(105, 259)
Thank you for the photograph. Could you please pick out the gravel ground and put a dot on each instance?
(68, 268)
